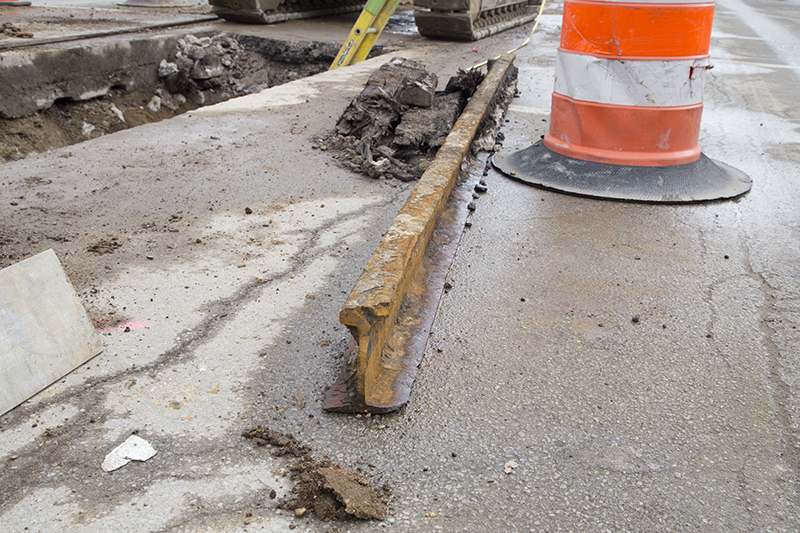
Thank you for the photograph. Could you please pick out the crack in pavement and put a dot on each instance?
(782, 390)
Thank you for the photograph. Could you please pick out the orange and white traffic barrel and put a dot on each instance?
(628, 97)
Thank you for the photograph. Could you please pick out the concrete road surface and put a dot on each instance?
(596, 366)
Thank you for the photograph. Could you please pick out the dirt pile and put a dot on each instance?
(394, 128)
(201, 64)
(323, 488)
(333, 493)
(219, 67)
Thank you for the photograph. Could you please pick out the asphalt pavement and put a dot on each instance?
(595, 365)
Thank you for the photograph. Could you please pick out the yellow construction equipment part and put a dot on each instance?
(365, 32)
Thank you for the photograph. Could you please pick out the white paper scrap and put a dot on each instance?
(133, 449)
(510, 466)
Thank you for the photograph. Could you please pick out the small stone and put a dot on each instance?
(154, 104)
(300, 512)
(481, 188)
(635, 319)
(248, 211)
(87, 129)
(273, 494)
(471, 206)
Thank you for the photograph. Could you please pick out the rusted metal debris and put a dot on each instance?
(389, 311)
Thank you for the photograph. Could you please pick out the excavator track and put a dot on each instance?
(470, 20)
(272, 11)
(462, 20)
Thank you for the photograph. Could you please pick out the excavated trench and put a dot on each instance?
(62, 95)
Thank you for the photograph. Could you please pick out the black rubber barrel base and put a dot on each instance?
(700, 181)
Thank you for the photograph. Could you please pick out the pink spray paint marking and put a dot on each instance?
(131, 325)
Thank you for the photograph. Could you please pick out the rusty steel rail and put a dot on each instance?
(374, 379)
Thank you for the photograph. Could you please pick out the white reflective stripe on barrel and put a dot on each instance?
(652, 83)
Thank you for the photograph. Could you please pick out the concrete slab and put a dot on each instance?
(44, 329)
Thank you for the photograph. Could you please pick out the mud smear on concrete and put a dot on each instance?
(104, 246)
(323, 488)
(394, 128)
(63, 108)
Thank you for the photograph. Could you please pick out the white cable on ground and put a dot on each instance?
(535, 25)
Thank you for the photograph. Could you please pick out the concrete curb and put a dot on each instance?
(371, 310)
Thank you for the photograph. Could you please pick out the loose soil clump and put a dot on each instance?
(323, 488)
(283, 443)
(333, 493)
(394, 128)
(104, 247)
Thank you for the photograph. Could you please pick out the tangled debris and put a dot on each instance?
(9, 28)
(327, 490)
(399, 121)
